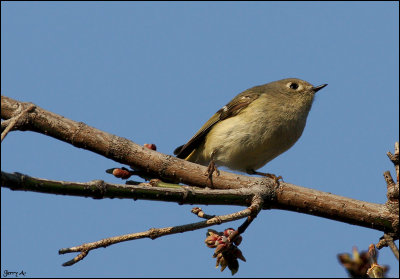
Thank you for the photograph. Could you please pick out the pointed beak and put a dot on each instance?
(319, 87)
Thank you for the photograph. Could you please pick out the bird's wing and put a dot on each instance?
(233, 108)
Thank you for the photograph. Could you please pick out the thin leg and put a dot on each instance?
(211, 169)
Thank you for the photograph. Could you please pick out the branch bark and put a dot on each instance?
(154, 164)
(152, 233)
(287, 197)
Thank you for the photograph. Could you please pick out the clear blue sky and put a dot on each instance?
(153, 73)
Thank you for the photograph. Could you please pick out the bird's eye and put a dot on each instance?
(294, 85)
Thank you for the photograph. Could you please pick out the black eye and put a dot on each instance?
(294, 85)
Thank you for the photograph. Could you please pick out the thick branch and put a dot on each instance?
(122, 150)
(18, 119)
(157, 165)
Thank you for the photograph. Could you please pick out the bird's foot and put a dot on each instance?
(269, 175)
(210, 170)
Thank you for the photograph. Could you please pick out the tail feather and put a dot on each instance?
(178, 150)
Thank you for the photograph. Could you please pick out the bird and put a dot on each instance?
(255, 127)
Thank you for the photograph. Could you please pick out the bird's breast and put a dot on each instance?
(252, 138)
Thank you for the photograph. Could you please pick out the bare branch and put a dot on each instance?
(287, 197)
(392, 245)
(5, 123)
(99, 189)
(226, 243)
(395, 159)
(166, 172)
(392, 190)
(392, 187)
(387, 240)
(165, 167)
(169, 168)
(392, 203)
(200, 213)
(152, 234)
(18, 119)
(255, 208)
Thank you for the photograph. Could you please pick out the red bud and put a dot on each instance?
(151, 146)
(121, 173)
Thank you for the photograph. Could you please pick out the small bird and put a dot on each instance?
(253, 128)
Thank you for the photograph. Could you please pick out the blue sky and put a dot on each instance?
(154, 73)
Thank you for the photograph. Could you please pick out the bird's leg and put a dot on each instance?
(211, 169)
(270, 175)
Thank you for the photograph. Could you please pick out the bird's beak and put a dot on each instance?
(319, 87)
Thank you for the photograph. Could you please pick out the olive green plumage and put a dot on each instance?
(255, 127)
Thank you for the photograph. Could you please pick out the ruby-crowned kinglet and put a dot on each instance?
(255, 127)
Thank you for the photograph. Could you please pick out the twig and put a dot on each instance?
(392, 203)
(200, 213)
(392, 245)
(255, 208)
(387, 240)
(395, 159)
(17, 119)
(152, 234)
(392, 187)
(78, 258)
(5, 123)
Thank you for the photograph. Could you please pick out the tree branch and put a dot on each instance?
(392, 203)
(154, 164)
(122, 150)
(387, 240)
(287, 197)
(99, 189)
(226, 188)
(154, 233)
(17, 120)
